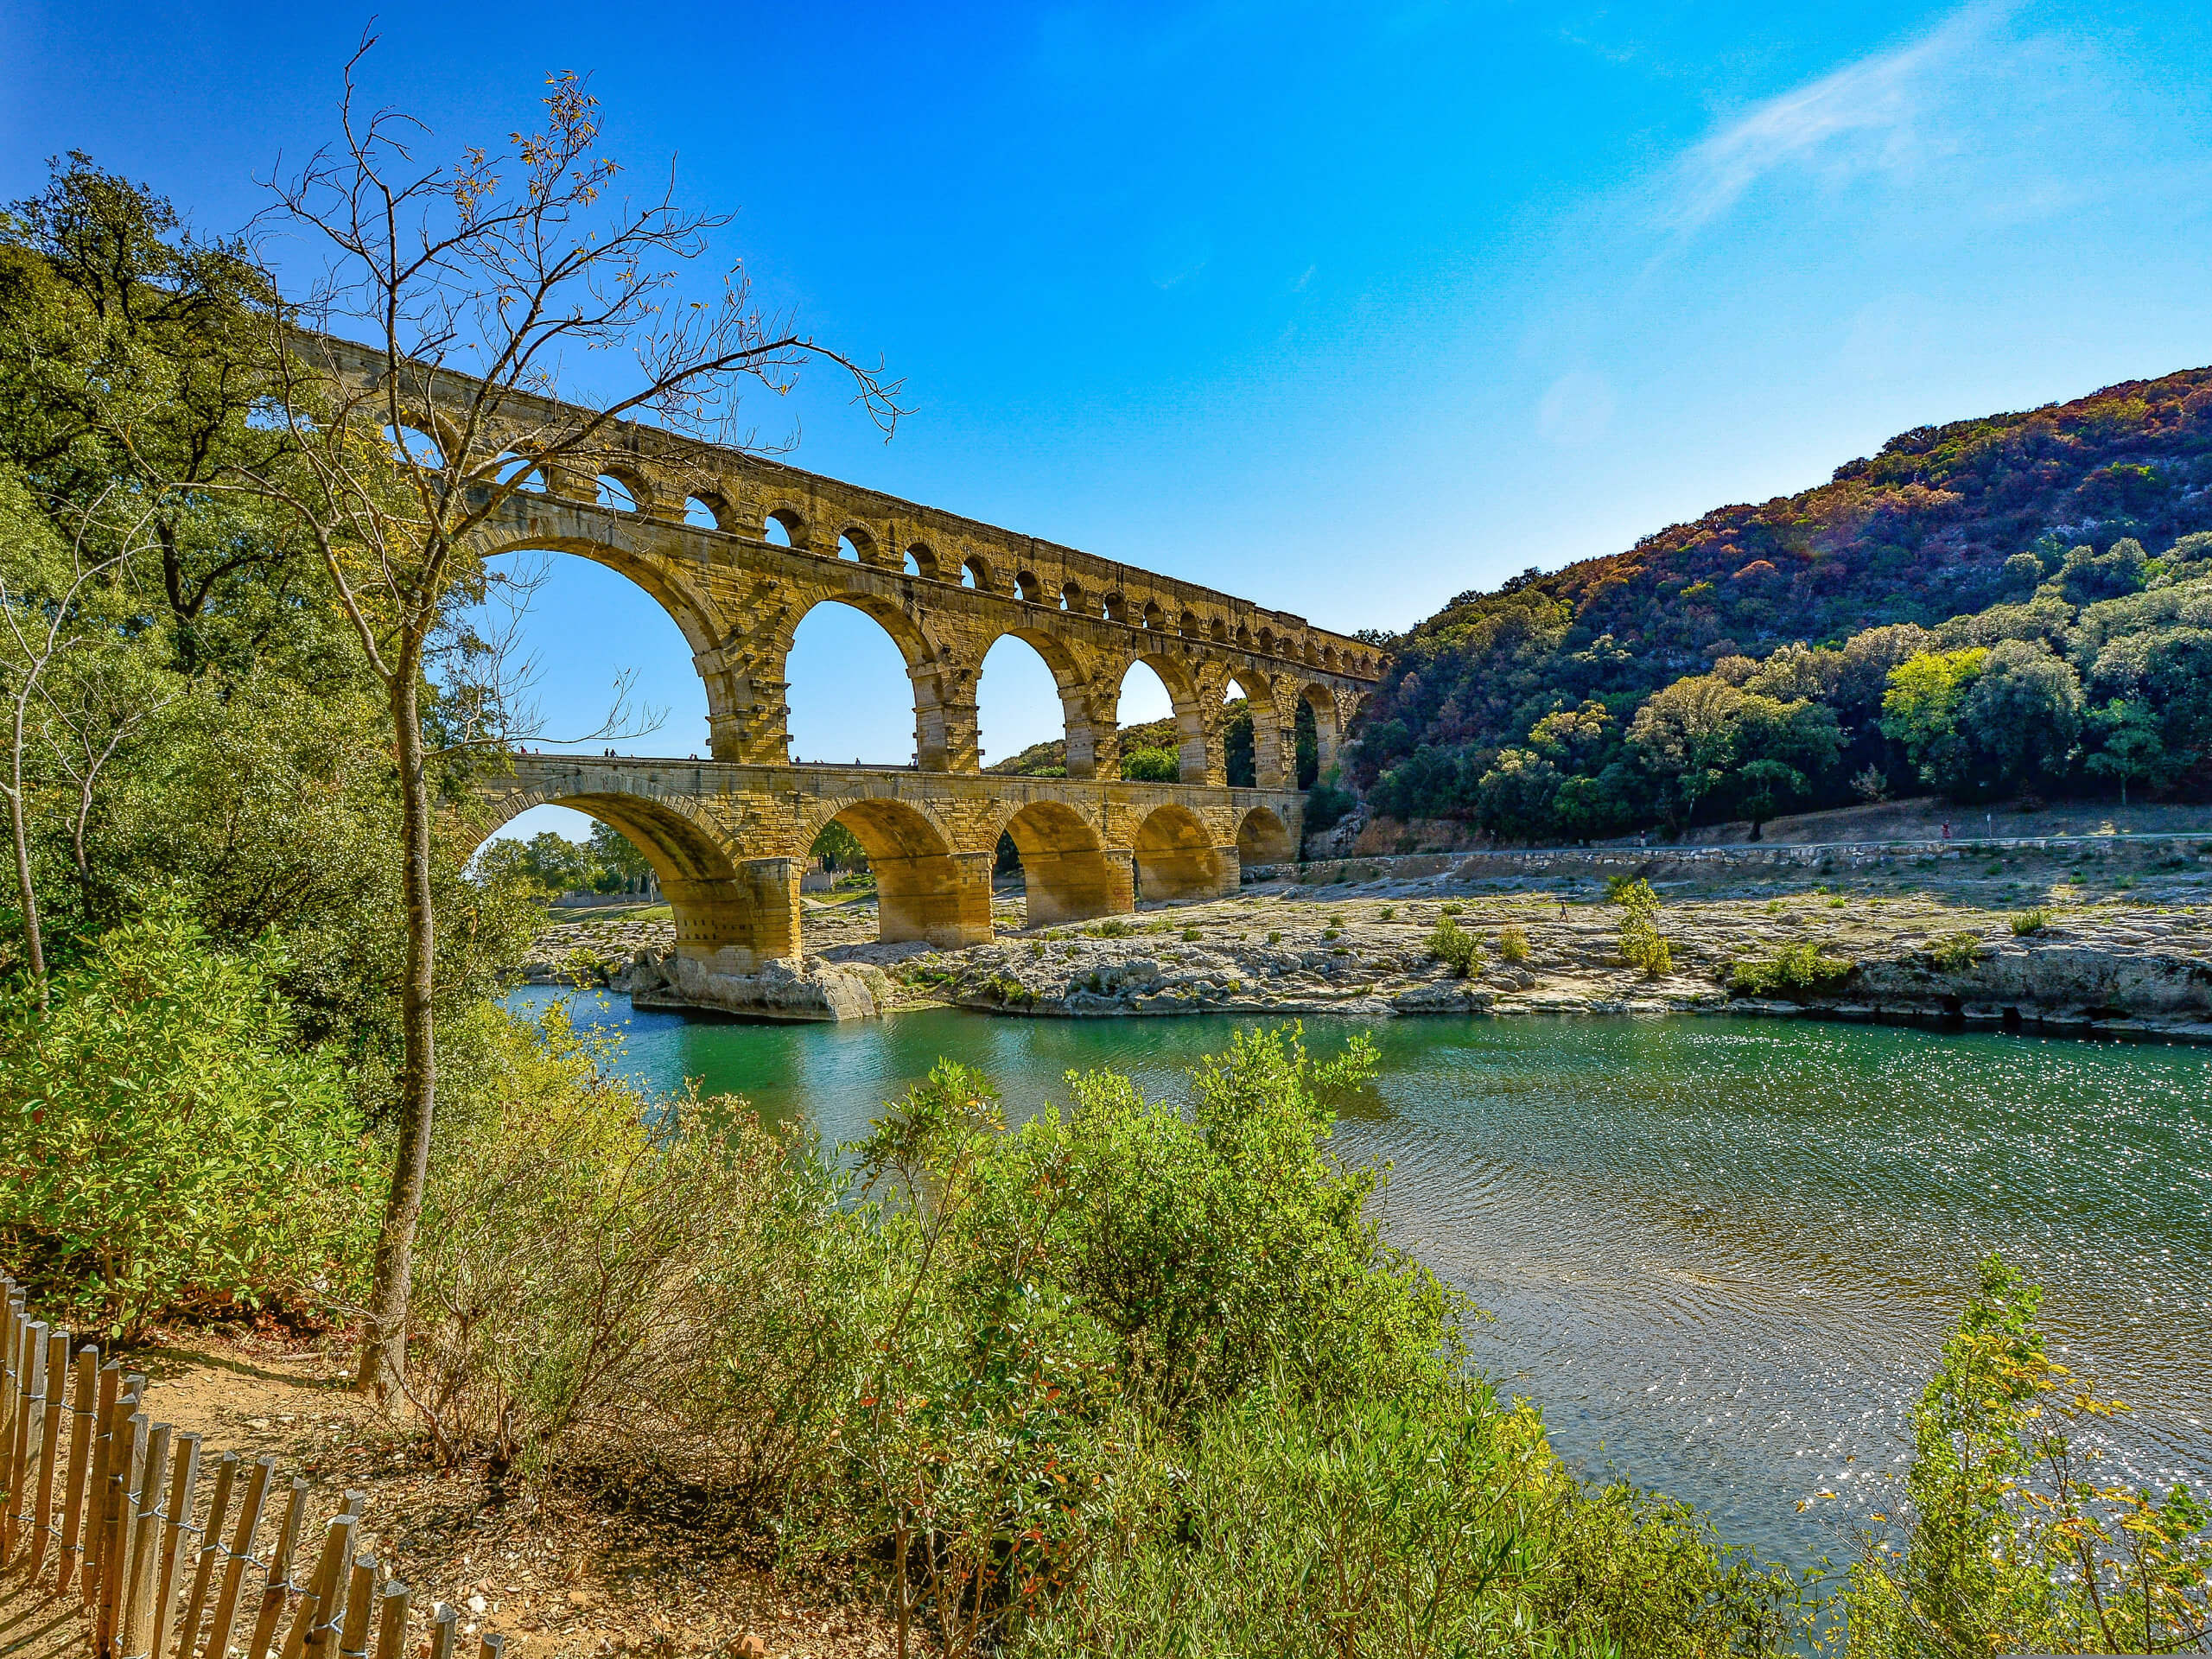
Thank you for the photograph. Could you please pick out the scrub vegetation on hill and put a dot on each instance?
(2015, 606)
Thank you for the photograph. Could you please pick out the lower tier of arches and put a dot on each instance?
(728, 844)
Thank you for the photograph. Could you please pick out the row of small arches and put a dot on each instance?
(620, 491)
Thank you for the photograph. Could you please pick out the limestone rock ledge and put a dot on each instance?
(807, 989)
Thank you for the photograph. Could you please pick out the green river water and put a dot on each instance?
(1721, 1253)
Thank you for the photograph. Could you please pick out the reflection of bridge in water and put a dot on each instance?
(738, 549)
(727, 842)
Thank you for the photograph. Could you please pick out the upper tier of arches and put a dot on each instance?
(1040, 575)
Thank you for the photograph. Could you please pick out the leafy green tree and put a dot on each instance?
(500, 267)
(1579, 740)
(1766, 785)
(2130, 743)
(1642, 944)
(2021, 719)
(166, 1139)
(1781, 747)
(1516, 799)
(838, 848)
(2087, 577)
(548, 861)
(622, 868)
(2022, 574)
(1591, 807)
(2167, 666)
(1920, 710)
(132, 350)
(1685, 735)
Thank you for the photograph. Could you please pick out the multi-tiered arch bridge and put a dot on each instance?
(737, 549)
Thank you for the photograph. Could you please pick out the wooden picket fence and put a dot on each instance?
(103, 1505)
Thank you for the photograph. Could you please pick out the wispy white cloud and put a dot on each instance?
(1876, 113)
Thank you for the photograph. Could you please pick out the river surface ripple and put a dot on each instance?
(1722, 1253)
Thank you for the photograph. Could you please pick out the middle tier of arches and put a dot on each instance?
(740, 618)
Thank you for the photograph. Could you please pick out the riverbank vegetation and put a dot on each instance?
(2008, 1541)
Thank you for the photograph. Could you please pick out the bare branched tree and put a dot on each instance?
(55, 689)
(426, 387)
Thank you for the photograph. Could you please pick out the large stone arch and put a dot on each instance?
(739, 718)
(1263, 837)
(1328, 725)
(1176, 857)
(733, 913)
(1186, 698)
(1090, 696)
(938, 726)
(1067, 872)
(1273, 735)
(917, 828)
(924, 889)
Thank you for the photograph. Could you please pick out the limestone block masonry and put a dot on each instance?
(738, 549)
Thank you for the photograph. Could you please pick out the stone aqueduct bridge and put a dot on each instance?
(728, 834)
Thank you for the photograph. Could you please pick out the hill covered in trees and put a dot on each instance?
(2021, 603)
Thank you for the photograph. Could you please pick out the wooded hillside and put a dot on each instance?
(1533, 708)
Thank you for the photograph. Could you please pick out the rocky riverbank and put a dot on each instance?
(2111, 940)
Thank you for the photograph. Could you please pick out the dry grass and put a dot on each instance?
(561, 1571)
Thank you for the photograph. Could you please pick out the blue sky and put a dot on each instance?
(1346, 309)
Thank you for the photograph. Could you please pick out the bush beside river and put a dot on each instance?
(1122, 1380)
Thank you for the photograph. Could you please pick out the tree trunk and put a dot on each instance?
(34, 939)
(384, 1348)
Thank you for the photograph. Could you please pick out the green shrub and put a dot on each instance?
(1793, 969)
(604, 1278)
(1151, 765)
(1642, 944)
(2009, 1541)
(1042, 1300)
(1954, 953)
(2026, 923)
(1275, 936)
(1192, 936)
(1326, 806)
(1450, 910)
(1112, 928)
(1388, 1527)
(1226, 1246)
(1386, 913)
(1513, 944)
(166, 1145)
(1456, 947)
